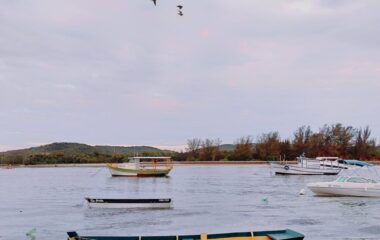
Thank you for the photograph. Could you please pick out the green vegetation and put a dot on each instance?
(331, 140)
(57, 153)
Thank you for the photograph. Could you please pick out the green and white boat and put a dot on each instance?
(142, 167)
(286, 234)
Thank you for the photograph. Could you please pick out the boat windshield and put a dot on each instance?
(355, 180)
(341, 179)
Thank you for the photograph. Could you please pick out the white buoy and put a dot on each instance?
(302, 191)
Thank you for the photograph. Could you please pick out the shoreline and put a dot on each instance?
(175, 163)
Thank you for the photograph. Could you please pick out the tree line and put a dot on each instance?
(65, 158)
(330, 140)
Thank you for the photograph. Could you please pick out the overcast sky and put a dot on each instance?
(125, 72)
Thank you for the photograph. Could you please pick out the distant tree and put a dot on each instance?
(243, 149)
(315, 145)
(365, 146)
(193, 147)
(342, 139)
(118, 158)
(301, 140)
(286, 150)
(268, 146)
(210, 150)
(181, 156)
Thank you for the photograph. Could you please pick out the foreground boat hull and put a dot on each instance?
(285, 169)
(262, 235)
(333, 189)
(128, 203)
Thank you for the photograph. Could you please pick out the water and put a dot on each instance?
(209, 199)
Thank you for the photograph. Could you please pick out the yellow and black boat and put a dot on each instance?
(286, 234)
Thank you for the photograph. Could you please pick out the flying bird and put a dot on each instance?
(180, 10)
(154, 1)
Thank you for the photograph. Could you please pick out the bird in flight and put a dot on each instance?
(178, 6)
(180, 10)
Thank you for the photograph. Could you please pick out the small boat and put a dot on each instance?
(305, 166)
(335, 162)
(142, 167)
(354, 186)
(286, 234)
(8, 166)
(128, 203)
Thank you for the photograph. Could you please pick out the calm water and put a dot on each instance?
(208, 199)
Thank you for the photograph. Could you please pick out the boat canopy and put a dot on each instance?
(149, 159)
(358, 163)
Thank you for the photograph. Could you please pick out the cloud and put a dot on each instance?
(96, 71)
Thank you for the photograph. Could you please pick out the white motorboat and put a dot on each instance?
(305, 166)
(128, 203)
(347, 186)
(335, 162)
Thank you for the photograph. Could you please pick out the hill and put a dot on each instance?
(227, 147)
(71, 149)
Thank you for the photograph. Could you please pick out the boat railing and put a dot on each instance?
(283, 160)
(156, 164)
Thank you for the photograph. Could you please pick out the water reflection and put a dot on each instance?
(205, 199)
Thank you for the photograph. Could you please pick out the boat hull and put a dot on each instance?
(349, 189)
(128, 203)
(285, 169)
(286, 234)
(118, 171)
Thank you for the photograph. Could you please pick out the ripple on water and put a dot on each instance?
(354, 204)
(304, 222)
(205, 199)
(375, 229)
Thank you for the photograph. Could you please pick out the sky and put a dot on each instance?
(126, 72)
